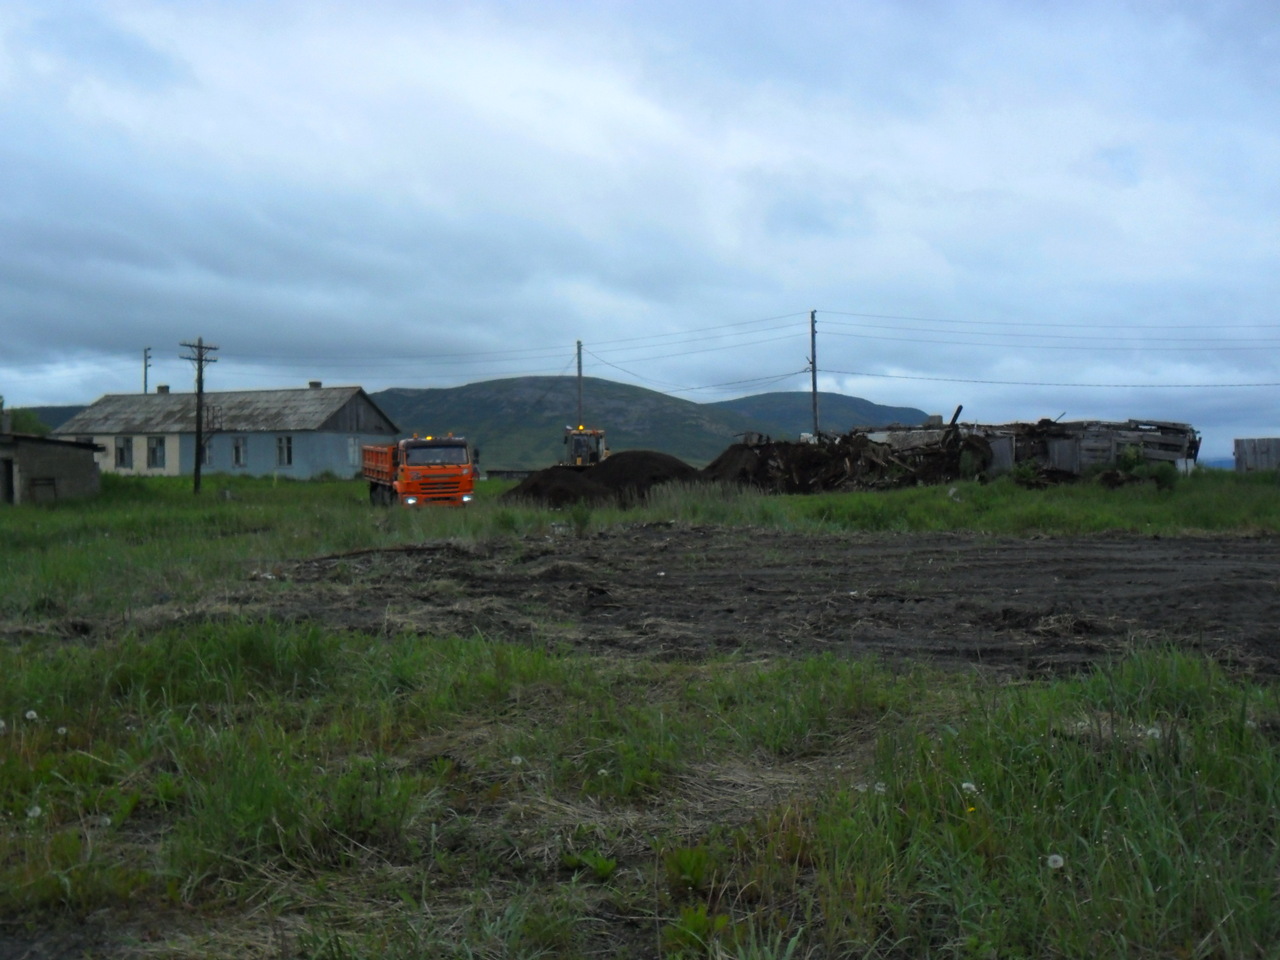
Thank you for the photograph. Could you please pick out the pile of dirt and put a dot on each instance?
(622, 479)
(853, 461)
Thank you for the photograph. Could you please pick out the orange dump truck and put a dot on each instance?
(421, 471)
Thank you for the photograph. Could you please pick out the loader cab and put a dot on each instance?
(584, 447)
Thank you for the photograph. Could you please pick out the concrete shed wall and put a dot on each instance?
(38, 471)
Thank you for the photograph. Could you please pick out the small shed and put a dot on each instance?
(37, 469)
(1257, 454)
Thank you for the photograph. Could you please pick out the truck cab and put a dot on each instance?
(422, 471)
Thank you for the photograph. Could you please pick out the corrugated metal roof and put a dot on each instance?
(242, 411)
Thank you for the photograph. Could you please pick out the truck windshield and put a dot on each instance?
(427, 456)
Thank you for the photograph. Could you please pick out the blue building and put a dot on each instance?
(301, 433)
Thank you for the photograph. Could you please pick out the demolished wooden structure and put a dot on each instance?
(881, 458)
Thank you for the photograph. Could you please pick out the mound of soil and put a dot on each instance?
(623, 478)
(559, 487)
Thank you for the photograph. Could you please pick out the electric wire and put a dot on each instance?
(1040, 383)
(1019, 323)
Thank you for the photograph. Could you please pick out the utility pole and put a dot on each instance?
(578, 422)
(813, 365)
(199, 356)
(146, 365)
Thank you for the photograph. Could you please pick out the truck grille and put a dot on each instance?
(439, 489)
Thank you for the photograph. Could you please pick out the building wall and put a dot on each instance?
(1257, 454)
(44, 472)
(106, 458)
(313, 454)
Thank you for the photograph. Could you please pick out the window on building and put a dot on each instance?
(240, 452)
(124, 453)
(284, 451)
(206, 454)
(155, 453)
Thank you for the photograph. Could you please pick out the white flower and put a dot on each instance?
(1153, 733)
(62, 731)
(517, 760)
(33, 811)
(31, 715)
(1055, 862)
(968, 787)
(860, 787)
(2, 726)
(880, 787)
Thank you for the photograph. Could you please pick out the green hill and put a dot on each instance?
(52, 417)
(792, 413)
(519, 423)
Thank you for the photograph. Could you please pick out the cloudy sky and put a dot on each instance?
(1029, 208)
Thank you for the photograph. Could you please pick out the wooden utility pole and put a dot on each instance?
(813, 365)
(578, 422)
(146, 365)
(199, 356)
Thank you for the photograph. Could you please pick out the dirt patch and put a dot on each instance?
(1031, 606)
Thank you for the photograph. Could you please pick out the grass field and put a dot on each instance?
(269, 789)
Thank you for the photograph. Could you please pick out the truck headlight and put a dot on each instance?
(410, 501)
(468, 497)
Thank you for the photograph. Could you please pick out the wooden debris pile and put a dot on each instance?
(852, 461)
(909, 456)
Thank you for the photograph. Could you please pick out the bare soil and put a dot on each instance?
(1033, 606)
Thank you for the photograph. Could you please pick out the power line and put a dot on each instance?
(1044, 346)
(1073, 326)
(723, 326)
(1038, 383)
(1045, 336)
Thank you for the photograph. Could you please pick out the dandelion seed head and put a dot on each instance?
(1055, 861)
(1153, 733)
(860, 787)
(62, 731)
(33, 811)
(968, 787)
(880, 787)
(31, 715)
(517, 760)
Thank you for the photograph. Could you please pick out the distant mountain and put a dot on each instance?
(54, 417)
(791, 413)
(519, 423)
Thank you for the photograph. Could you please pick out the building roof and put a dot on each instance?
(246, 411)
(16, 438)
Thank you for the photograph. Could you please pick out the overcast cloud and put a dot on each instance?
(425, 194)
